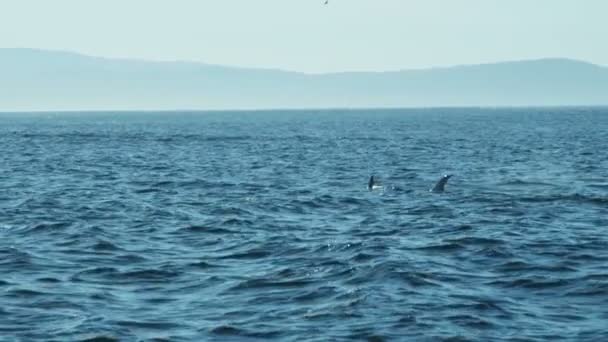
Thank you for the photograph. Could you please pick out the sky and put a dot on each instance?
(308, 36)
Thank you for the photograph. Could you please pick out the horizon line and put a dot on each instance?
(405, 69)
(143, 111)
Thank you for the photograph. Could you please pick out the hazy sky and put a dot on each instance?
(306, 35)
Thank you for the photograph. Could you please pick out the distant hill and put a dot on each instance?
(49, 80)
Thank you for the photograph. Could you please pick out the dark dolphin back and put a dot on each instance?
(440, 186)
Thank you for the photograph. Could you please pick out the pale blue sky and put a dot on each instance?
(305, 35)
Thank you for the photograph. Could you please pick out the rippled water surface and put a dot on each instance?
(259, 226)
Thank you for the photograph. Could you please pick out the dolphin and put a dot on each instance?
(440, 186)
(370, 184)
(373, 184)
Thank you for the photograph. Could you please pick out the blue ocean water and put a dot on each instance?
(195, 226)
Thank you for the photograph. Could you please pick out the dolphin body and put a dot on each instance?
(440, 186)
(372, 184)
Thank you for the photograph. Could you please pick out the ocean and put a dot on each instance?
(258, 225)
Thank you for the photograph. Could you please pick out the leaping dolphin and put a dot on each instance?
(440, 186)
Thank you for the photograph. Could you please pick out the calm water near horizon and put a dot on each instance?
(204, 226)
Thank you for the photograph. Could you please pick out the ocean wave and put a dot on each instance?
(260, 227)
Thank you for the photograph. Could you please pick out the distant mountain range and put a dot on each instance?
(33, 80)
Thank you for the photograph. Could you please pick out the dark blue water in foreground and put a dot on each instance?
(259, 226)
